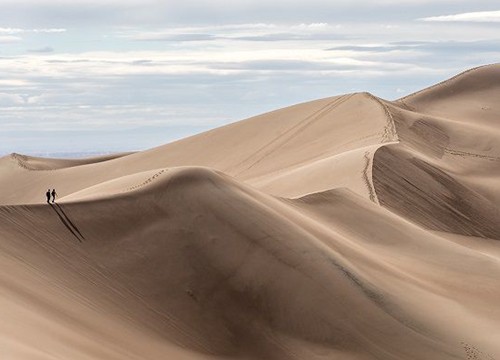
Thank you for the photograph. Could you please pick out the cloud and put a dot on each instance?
(42, 50)
(55, 30)
(480, 16)
(9, 34)
(9, 39)
(259, 32)
(174, 37)
(7, 99)
(92, 13)
(366, 48)
(290, 36)
(431, 47)
(12, 31)
(13, 82)
(333, 66)
(195, 64)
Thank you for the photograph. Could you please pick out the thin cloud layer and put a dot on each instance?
(22, 31)
(479, 16)
(163, 67)
(43, 50)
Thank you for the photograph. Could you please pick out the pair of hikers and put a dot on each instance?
(51, 193)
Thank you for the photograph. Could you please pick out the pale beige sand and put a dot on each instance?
(344, 228)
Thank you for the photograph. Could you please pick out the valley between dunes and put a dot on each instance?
(348, 228)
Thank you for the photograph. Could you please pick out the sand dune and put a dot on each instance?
(345, 228)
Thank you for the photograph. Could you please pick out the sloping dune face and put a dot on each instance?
(448, 160)
(344, 228)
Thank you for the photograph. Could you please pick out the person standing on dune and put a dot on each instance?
(53, 195)
(48, 196)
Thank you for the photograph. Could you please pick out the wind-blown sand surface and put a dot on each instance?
(344, 228)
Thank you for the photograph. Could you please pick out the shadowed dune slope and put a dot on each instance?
(344, 228)
(444, 173)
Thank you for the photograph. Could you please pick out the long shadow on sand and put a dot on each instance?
(67, 222)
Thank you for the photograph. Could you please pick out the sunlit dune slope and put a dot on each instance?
(470, 97)
(344, 228)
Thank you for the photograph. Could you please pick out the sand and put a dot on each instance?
(345, 228)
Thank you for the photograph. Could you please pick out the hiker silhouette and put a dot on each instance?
(48, 195)
(53, 195)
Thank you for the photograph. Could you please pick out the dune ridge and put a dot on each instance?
(34, 163)
(444, 82)
(345, 228)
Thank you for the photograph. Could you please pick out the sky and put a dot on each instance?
(93, 76)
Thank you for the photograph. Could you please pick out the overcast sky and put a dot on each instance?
(79, 76)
